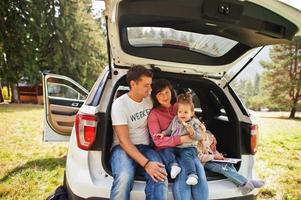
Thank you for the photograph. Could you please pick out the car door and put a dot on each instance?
(62, 99)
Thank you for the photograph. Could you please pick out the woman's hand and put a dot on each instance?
(185, 139)
(159, 135)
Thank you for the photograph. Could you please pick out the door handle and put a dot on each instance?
(74, 104)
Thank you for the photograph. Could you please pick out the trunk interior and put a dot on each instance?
(210, 103)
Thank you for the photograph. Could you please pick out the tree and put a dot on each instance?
(282, 79)
(250, 93)
(75, 46)
(14, 40)
(61, 36)
(257, 84)
(80, 43)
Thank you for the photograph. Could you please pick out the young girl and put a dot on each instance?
(207, 152)
(183, 123)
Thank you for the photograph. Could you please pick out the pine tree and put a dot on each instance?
(16, 42)
(60, 36)
(283, 75)
(257, 84)
(75, 46)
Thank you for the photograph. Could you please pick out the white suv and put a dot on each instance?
(191, 43)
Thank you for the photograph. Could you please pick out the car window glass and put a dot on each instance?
(239, 102)
(64, 89)
(210, 45)
(121, 90)
(218, 103)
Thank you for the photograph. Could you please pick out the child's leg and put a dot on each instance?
(187, 155)
(168, 157)
(228, 170)
(231, 172)
(255, 183)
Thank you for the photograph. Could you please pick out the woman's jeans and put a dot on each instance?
(187, 154)
(182, 191)
(123, 171)
(228, 170)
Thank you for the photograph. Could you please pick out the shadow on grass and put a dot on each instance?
(284, 118)
(48, 164)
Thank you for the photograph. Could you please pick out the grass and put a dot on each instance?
(31, 169)
(278, 160)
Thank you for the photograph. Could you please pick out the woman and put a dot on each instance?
(161, 115)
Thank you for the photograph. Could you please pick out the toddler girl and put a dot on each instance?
(183, 123)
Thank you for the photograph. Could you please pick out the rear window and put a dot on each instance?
(210, 45)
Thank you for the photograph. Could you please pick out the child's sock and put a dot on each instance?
(246, 188)
(192, 180)
(257, 183)
(175, 170)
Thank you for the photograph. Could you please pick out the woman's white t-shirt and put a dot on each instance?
(126, 111)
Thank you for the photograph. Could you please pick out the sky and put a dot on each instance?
(254, 67)
(293, 3)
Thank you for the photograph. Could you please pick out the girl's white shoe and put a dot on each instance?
(191, 180)
(175, 170)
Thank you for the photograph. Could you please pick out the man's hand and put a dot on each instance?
(156, 170)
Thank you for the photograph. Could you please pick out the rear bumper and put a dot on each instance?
(72, 196)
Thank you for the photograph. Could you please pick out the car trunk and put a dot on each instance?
(211, 104)
(198, 36)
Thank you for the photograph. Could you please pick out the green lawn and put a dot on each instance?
(31, 169)
(279, 156)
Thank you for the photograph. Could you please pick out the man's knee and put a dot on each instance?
(123, 181)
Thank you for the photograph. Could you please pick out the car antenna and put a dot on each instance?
(245, 65)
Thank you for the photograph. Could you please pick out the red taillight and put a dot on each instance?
(254, 138)
(85, 128)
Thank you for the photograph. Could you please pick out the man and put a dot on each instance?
(131, 140)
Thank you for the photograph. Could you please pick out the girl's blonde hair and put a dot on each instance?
(207, 138)
(201, 144)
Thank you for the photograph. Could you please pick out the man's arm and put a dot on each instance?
(154, 169)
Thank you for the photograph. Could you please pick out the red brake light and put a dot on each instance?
(254, 138)
(85, 128)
